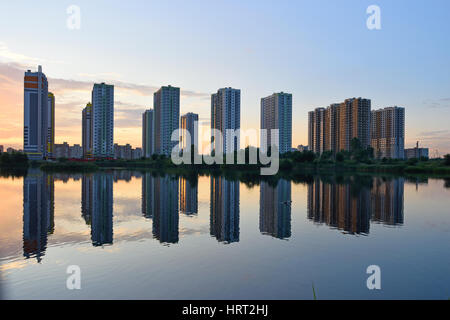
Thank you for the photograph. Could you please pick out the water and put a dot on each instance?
(138, 236)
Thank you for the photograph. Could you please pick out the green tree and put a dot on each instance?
(447, 160)
(340, 157)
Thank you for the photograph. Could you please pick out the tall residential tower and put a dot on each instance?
(388, 132)
(188, 121)
(50, 125)
(333, 128)
(35, 127)
(86, 126)
(166, 104)
(147, 133)
(226, 115)
(103, 120)
(276, 113)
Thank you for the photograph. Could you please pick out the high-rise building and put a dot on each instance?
(226, 115)
(188, 121)
(276, 113)
(1, 149)
(147, 133)
(166, 106)
(333, 128)
(87, 131)
(316, 130)
(50, 125)
(103, 120)
(35, 128)
(354, 122)
(388, 132)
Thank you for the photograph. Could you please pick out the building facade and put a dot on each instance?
(316, 130)
(147, 133)
(417, 153)
(276, 114)
(388, 133)
(75, 152)
(87, 131)
(50, 125)
(333, 128)
(103, 120)
(225, 115)
(189, 121)
(166, 104)
(62, 150)
(35, 129)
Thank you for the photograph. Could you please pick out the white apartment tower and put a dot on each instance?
(103, 120)
(276, 113)
(166, 106)
(226, 115)
(388, 132)
(36, 118)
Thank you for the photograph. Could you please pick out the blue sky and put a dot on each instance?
(320, 51)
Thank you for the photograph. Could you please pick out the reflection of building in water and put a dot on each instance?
(148, 194)
(349, 206)
(97, 207)
(275, 209)
(38, 213)
(341, 206)
(224, 219)
(387, 201)
(188, 197)
(86, 198)
(125, 175)
(165, 213)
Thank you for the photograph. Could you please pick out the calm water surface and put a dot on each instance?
(138, 236)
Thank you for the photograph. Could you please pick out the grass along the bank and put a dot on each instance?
(293, 163)
(287, 165)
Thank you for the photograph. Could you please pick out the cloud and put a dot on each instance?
(437, 104)
(435, 133)
(7, 55)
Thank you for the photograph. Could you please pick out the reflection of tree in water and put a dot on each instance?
(447, 183)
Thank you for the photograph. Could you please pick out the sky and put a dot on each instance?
(321, 51)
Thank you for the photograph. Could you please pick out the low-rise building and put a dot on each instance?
(62, 150)
(416, 153)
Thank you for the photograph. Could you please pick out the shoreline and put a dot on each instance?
(288, 168)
